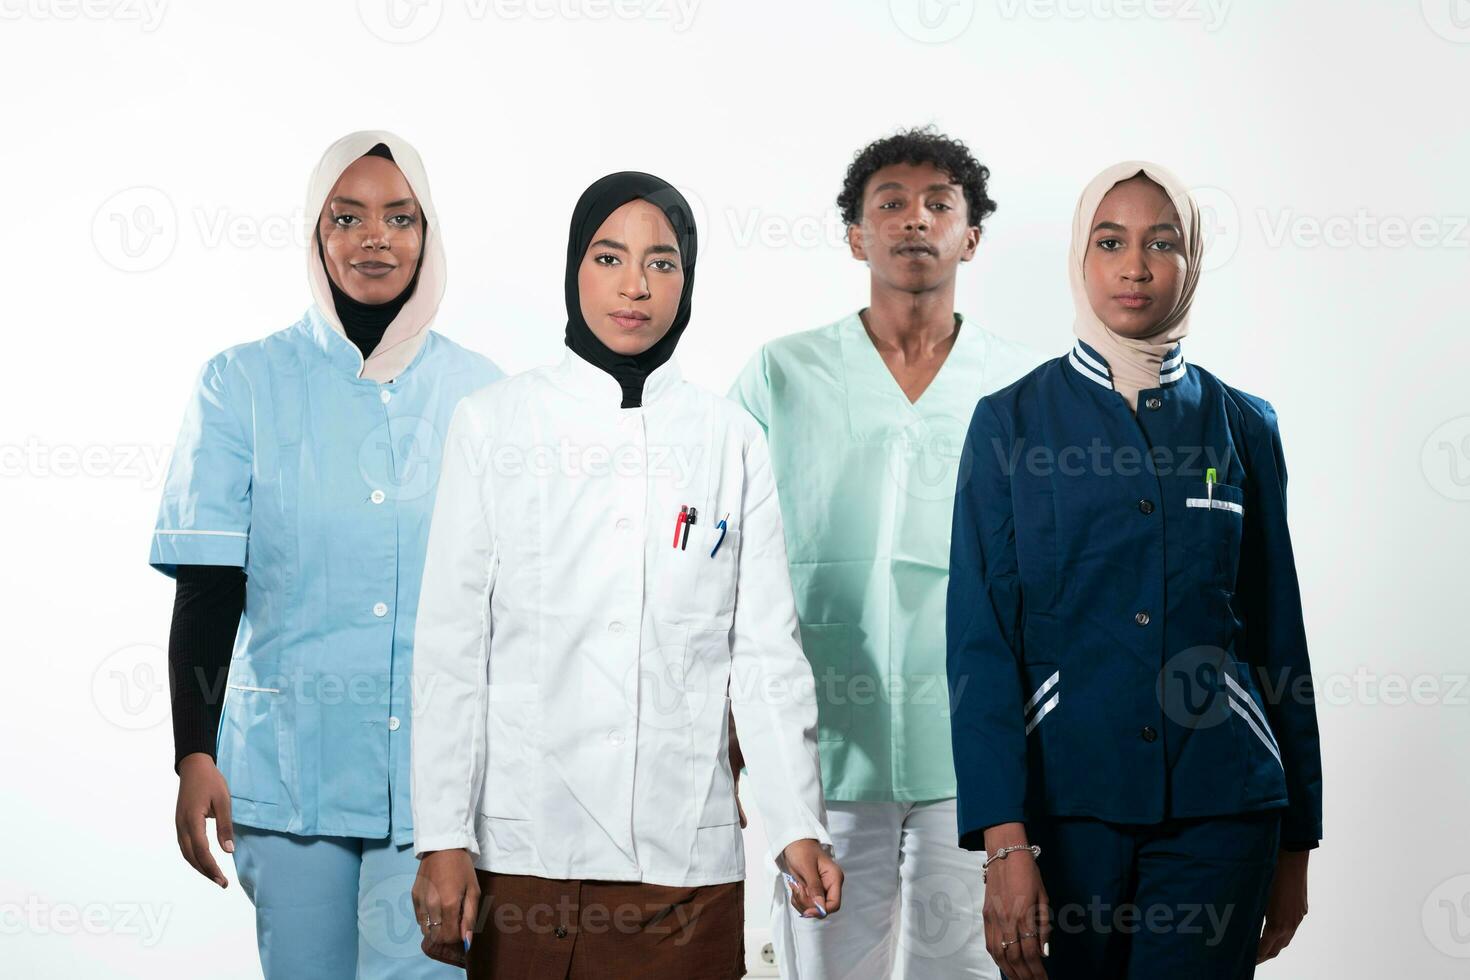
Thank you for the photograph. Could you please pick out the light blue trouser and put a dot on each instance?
(333, 908)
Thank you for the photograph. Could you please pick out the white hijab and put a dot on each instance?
(410, 328)
(1133, 362)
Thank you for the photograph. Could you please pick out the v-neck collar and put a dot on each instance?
(859, 346)
(876, 402)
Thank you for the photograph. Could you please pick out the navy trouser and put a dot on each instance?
(1182, 898)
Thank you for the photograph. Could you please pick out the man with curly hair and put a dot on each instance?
(866, 418)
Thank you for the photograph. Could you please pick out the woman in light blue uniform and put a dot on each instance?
(301, 488)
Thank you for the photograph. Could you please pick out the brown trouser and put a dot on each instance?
(531, 928)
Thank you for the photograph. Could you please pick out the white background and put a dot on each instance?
(153, 165)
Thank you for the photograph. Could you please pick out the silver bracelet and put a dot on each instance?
(1001, 854)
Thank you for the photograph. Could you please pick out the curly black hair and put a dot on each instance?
(918, 145)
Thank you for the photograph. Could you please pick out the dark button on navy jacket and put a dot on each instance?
(1110, 659)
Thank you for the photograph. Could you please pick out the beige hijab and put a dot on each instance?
(410, 328)
(1134, 363)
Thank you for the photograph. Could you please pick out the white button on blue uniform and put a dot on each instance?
(393, 723)
(385, 395)
(378, 497)
(380, 609)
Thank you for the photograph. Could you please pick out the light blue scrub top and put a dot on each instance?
(321, 484)
(867, 484)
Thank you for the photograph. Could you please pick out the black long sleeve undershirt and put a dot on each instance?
(208, 602)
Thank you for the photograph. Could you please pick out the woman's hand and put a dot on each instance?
(818, 879)
(1017, 911)
(203, 793)
(1287, 905)
(446, 894)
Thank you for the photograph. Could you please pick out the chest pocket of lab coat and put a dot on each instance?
(1214, 521)
(692, 587)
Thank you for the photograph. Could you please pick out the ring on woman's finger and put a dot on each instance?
(431, 923)
(1027, 935)
(1008, 942)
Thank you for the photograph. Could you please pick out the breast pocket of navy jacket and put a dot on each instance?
(1214, 517)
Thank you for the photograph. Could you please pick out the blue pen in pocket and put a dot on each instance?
(723, 526)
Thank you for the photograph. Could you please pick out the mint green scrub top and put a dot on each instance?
(867, 484)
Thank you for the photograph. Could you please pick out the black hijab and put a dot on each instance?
(597, 202)
(365, 323)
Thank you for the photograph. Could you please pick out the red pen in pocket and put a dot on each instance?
(679, 524)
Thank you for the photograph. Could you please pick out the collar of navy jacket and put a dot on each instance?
(1094, 367)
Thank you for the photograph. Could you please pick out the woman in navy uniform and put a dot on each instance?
(1132, 706)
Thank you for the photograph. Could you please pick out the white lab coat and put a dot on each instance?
(571, 665)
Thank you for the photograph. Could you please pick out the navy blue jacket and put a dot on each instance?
(1125, 642)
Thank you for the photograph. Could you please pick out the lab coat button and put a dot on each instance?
(1147, 506)
(1148, 734)
(380, 609)
(378, 497)
(615, 737)
(1155, 402)
(385, 396)
(615, 627)
(1141, 619)
(624, 524)
(393, 723)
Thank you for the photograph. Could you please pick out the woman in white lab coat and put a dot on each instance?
(606, 583)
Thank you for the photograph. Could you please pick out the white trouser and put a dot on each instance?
(911, 901)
